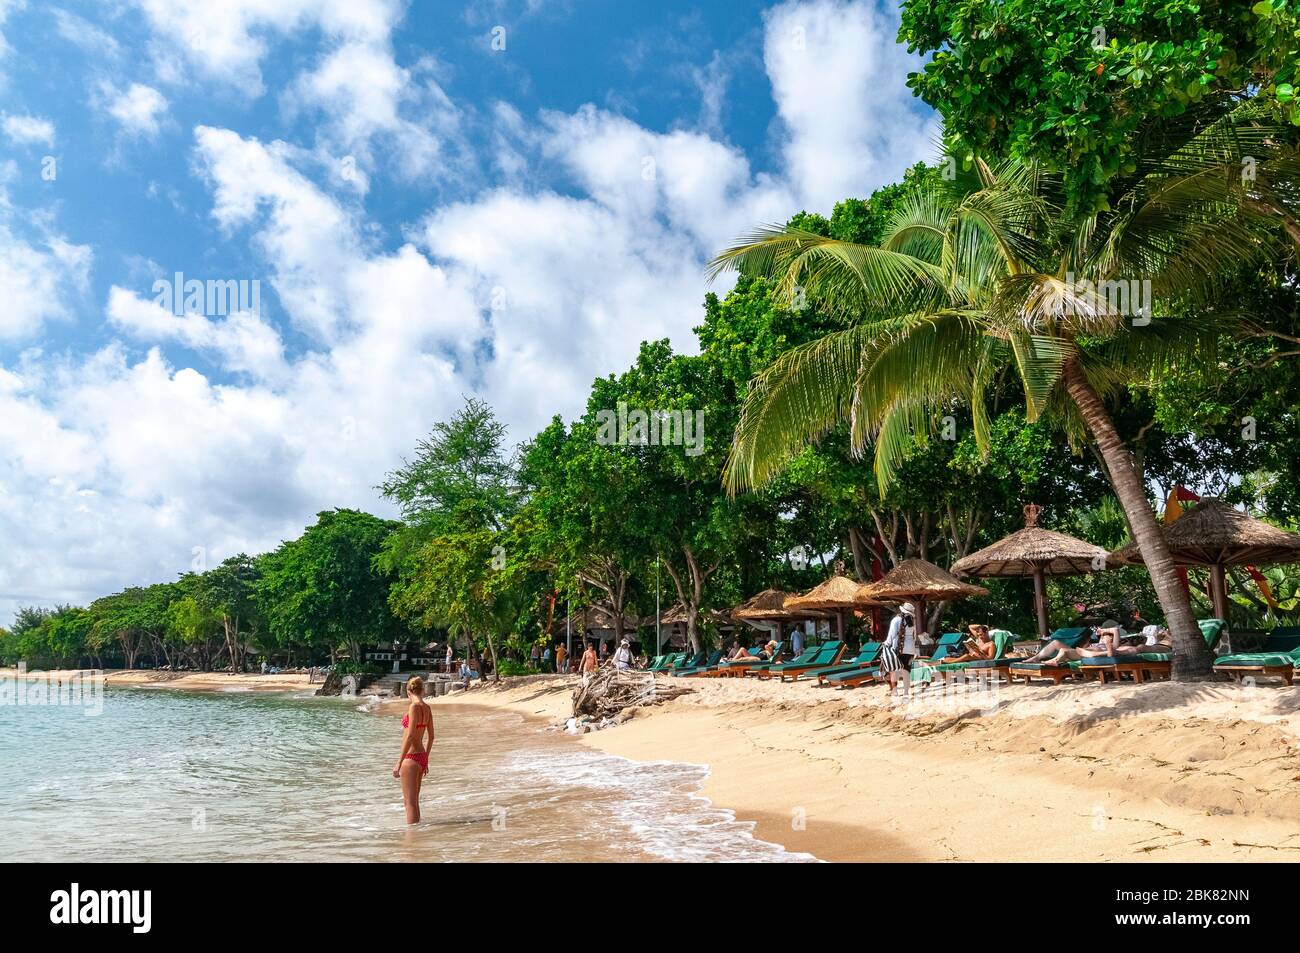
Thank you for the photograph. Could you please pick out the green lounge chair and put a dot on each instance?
(1057, 673)
(1280, 656)
(686, 660)
(829, 654)
(725, 669)
(666, 662)
(995, 667)
(865, 658)
(710, 663)
(806, 656)
(657, 663)
(1146, 666)
(947, 644)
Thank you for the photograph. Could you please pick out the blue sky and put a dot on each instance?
(436, 199)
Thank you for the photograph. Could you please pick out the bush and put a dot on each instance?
(348, 666)
(510, 667)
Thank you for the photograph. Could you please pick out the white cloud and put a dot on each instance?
(242, 341)
(138, 109)
(7, 7)
(84, 34)
(838, 79)
(125, 460)
(307, 237)
(226, 42)
(37, 278)
(363, 94)
(28, 130)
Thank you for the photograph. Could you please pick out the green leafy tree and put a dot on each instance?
(458, 497)
(132, 619)
(1089, 88)
(230, 592)
(970, 288)
(192, 626)
(326, 588)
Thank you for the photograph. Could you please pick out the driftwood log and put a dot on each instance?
(610, 690)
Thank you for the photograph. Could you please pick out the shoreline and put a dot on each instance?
(179, 681)
(1162, 772)
(1118, 772)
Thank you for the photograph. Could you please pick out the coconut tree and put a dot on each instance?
(988, 283)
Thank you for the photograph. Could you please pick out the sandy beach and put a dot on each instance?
(1165, 771)
(190, 681)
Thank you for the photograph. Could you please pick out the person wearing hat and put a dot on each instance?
(979, 649)
(899, 648)
(623, 657)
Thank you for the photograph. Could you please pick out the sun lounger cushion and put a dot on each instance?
(1260, 659)
(1037, 666)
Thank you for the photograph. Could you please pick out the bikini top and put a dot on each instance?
(406, 721)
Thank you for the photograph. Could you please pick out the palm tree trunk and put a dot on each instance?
(1192, 660)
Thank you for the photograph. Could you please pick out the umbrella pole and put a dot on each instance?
(839, 623)
(1219, 591)
(1040, 601)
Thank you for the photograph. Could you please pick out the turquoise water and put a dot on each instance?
(186, 776)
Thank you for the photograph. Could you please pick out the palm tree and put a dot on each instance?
(974, 286)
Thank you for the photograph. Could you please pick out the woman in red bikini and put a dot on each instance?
(413, 763)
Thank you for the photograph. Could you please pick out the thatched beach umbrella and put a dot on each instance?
(835, 595)
(770, 605)
(921, 582)
(767, 606)
(1215, 535)
(1037, 552)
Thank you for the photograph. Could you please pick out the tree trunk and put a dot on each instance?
(1192, 659)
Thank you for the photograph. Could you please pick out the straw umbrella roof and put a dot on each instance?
(918, 579)
(1033, 548)
(1215, 534)
(837, 592)
(676, 615)
(597, 617)
(770, 604)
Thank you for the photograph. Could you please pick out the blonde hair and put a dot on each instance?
(415, 686)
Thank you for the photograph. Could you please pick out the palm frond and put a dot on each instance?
(857, 278)
(798, 399)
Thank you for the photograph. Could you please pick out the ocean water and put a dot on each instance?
(187, 776)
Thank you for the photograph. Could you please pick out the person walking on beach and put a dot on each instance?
(562, 659)
(900, 647)
(413, 761)
(589, 662)
(451, 657)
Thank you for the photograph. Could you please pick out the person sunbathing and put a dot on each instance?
(1110, 644)
(739, 653)
(983, 649)
(1057, 652)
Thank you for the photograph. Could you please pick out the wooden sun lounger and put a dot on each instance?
(829, 655)
(1279, 657)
